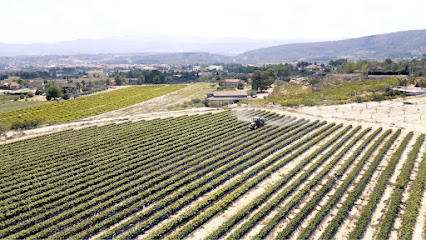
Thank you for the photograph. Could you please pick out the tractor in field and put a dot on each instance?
(257, 123)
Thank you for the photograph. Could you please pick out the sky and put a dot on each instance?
(28, 21)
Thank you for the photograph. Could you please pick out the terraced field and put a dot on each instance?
(208, 176)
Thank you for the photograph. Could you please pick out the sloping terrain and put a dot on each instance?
(208, 176)
(391, 45)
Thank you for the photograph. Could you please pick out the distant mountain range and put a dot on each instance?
(392, 45)
(153, 44)
(181, 50)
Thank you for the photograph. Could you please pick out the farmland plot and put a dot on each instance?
(209, 177)
(79, 108)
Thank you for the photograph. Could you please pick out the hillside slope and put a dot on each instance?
(392, 45)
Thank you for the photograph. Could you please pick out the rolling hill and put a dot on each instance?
(168, 51)
(392, 45)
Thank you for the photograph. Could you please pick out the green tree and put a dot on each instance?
(240, 86)
(256, 80)
(156, 79)
(349, 67)
(30, 94)
(108, 81)
(119, 80)
(3, 129)
(262, 80)
(53, 92)
(284, 71)
(313, 80)
(141, 79)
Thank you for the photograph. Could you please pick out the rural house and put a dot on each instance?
(14, 85)
(230, 96)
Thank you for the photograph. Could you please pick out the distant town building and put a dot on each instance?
(214, 67)
(320, 73)
(312, 67)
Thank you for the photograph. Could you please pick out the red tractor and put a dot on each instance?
(257, 123)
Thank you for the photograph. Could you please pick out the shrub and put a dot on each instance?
(16, 99)
(53, 92)
(215, 104)
(67, 96)
(3, 129)
(22, 96)
(30, 94)
(421, 83)
(205, 102)
(195, 101)
(26, 124)
(377, 97)
(359, 99)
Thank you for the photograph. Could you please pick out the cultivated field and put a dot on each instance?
(208, 176)
(163, 103)
(74, 109)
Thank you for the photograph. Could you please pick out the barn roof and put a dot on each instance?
(230, 93)
(227, 95)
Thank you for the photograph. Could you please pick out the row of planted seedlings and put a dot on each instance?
(231, 197)
(344, 185)
(109, 141)
(77, 167)
(276, 187)
(227, 154)
(55, 170)
(35, 145)
(135, 204)
(83, 144)
(314, 223)
(401, 184)
(87, 141)
(308, 208)
(379, 189)
(74, 109)
(243, 183)
(77, 199)
(282, 196)
(411, 213)
(51, 138)
(277, 200)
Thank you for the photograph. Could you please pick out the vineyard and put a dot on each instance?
(75, 109)
(208, 176)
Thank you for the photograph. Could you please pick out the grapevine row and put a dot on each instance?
(400, 185)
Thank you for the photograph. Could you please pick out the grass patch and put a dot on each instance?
(332, 92)
(8, 106)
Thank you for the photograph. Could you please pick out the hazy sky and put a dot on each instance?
(60, 20)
